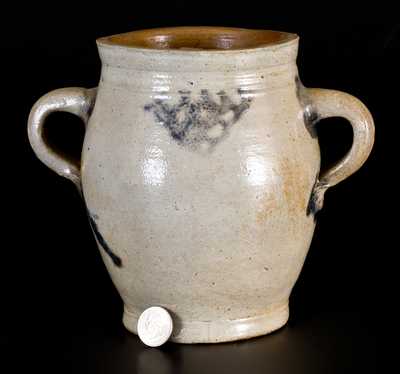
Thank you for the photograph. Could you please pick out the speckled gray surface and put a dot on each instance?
(209, 209)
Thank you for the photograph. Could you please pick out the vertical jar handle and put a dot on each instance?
(75, 100)
(325, 103)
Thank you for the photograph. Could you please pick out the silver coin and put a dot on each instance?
(154, 326)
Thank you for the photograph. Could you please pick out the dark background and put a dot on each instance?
(59, 310)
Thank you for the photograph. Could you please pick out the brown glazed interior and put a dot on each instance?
(198, 37)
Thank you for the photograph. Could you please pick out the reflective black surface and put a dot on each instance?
(82, 332)
(329, 343)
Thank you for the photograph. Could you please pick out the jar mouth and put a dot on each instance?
(198, 38)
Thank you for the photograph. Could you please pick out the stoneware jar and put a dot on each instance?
(200, 172)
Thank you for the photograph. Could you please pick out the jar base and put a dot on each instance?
(219, 331)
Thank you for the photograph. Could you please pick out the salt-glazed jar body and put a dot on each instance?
(200, 172)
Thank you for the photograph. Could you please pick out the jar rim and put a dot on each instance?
(198, 39)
